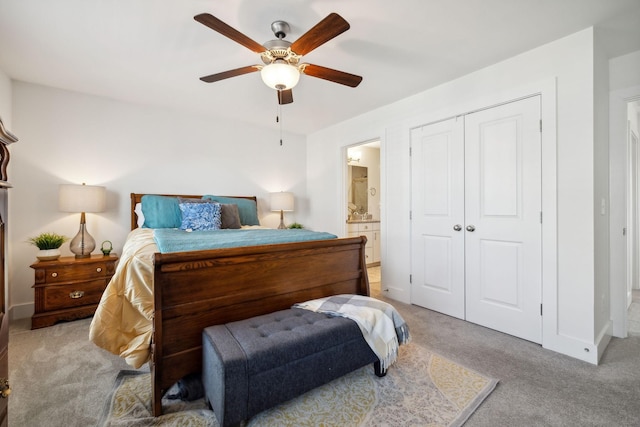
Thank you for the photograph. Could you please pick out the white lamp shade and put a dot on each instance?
(282, 201)
(82, 198)
(280, 75)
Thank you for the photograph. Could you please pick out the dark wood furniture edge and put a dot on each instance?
(50, 318)
(6, 138)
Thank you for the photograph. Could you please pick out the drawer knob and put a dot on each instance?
(99, 269)
(5, 389)
(54, 274)
(76, 294)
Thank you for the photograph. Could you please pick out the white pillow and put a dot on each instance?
(138, 211)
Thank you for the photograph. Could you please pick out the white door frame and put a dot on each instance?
(633, 220)
(345, 178)
(619, 211)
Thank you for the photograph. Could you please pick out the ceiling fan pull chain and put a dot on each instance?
(280, 115)
(278, 120)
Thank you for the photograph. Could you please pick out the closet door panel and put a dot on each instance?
(507, 255)
(503, 262)
(499, 169)
(437, 249)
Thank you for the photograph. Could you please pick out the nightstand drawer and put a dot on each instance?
(66, 273)
(69, 288)
(73, 295)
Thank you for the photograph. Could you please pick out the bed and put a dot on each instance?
(191, 290)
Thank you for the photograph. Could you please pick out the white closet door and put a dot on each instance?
(476, 218)
(437, 249)
(503, 208)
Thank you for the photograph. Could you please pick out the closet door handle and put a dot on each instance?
(457, 227)
(471, 228)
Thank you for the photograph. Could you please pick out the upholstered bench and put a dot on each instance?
(255, 364)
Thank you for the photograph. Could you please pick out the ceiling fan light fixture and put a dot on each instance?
(280, 75)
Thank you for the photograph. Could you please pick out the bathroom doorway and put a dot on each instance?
(362, 202)
(632, 291)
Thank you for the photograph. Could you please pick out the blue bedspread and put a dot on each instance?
(174, 240)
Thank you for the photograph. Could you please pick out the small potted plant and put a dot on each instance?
(296, 225)
(49, 245)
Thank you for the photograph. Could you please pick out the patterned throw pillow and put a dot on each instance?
(200, 216)
(229, 215)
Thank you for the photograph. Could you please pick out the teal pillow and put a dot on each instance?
(247, 208)
(160, 211)
(200, 216)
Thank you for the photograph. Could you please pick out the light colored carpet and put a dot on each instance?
(633, 315)
(421, 388)
(60, 379)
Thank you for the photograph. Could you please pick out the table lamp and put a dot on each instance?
(282, 201)
(82, 198)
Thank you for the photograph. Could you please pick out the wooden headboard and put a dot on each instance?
(137, 198)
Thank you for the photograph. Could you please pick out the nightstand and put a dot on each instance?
(69, 288)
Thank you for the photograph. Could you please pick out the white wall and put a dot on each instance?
(68, 137)
(5, 100)
(603, 328)
(569, 281)
(623, 71)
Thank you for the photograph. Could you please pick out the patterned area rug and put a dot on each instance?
(421, 388)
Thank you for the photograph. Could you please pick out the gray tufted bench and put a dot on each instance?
(255, 364)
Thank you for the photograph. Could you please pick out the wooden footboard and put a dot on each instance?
(193, 290)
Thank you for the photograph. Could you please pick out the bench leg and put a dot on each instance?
(377, 368)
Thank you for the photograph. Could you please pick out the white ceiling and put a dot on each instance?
(152, 52)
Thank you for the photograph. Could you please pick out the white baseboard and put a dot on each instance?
(21, 311)
(603, 339)
(397, 294)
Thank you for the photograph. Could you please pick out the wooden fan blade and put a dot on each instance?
(231, 73)
(228, 31)
(335, 76)
(285, 96)
(330, 27)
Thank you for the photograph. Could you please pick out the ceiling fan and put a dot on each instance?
(281, 58)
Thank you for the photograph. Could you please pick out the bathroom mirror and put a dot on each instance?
(359, 188)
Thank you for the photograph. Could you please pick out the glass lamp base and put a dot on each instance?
(83, 244)
(282, 226)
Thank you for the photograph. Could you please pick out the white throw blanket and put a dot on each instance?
(382, 326)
